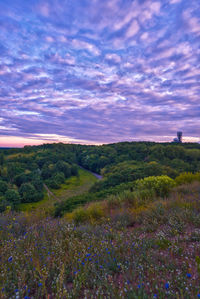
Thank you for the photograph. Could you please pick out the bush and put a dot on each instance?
(90, 214)
(3, 187)
(64, 167)
(12, 196)
(74, 170)
(161, 185)
(51, 183)
(20, 179)
(3, 204)
(95, 211)
(28, 193)
(59, 178)
(187, 178)
(79, 215)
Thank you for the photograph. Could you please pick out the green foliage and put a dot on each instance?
(20, 179)
(28, 193)
(1, 159)
(12, 196)
(3, 187)
(163, 243)
(80, 215)
(160, 184)
(62, 166)
(3, 204)
(59, 178)
(187, 177)
(74, 170)
(13, 169)
(120, 163)
(91, 214)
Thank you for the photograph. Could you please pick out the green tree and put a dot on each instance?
(59, 178)
(3, 187)
(20, 179)
(12, 196)
(1, 159)
(62, 166)
(28, 192)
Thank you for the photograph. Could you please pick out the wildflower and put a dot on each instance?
(166, 285)
(139, 286)
(189, 275)
(39, 284)
(198, 295)
(10, 259)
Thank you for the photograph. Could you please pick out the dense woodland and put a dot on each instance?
(24, 172)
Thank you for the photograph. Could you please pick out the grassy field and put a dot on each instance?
(73, 186)
(76, 185)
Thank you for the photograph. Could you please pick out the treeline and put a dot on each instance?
(129, 161)
(23, 173)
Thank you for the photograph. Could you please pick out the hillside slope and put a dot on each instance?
(153, 252)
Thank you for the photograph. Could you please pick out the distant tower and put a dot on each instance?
(179, 135)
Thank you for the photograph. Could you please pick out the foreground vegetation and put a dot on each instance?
(150, 250)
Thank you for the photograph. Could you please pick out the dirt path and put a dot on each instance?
(50, 193)
(98, 176)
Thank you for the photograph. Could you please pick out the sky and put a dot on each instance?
(99, 71)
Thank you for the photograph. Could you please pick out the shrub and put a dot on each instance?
(3, 204)
(59, 177)
(28, 192)
(12, 196)
(51, 183)
(161, 185)
(74, 170)
(79, 215)
(95, 211)
(187, 178)
(92, 213)
(3, 187)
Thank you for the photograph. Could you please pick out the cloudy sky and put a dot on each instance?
(99, 71)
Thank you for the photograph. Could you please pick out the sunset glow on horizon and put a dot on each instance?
(95, 72)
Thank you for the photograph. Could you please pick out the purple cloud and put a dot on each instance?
(99, 71)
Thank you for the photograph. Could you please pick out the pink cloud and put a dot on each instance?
(82, 45)
(133, 29)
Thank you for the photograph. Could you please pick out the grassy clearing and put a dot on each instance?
(27, 207)
(73, 186)
(76, 185)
